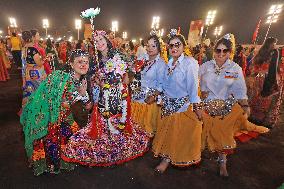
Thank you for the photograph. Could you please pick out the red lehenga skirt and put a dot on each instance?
(96, 145)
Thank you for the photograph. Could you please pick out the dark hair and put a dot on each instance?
(34, 32)
(109, 46)
(123, 46)
(79, 44)
(131, 45)
(237, 57)
(142, 42)
(156, 41)
(26, 36)
(49, 43)
(239, 49)
(225, 42)
(264, 53)
(14, 34)
(69, 45)
(180, 37)
(77, 53)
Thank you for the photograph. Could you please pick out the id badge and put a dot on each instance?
(231, 75)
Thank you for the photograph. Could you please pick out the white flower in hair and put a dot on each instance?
(90, 13)
(227, 36)
(173, 32)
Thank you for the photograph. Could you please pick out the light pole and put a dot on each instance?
(209, 20)
(45, 25)
(218, 31)
(13, 23)
(124, 35)
(78, 26)
(114, 27)
(155, 23)
(273, 13)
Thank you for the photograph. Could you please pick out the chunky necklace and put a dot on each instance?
(218, 69)
(171, 70)
(149, 64)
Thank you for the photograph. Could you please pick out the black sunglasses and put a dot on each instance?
(218, 51)
(176, 45)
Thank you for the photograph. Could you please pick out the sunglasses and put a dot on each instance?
(218, 51)
(176, 45)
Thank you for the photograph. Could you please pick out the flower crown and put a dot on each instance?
(100, 32)
(173, 32)
(227, 36)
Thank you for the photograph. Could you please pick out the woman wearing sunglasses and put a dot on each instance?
(178, 137)
(224, 95)
(146, 86)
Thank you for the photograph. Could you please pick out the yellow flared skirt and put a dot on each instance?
(178, 138)
(218, 132)
(146, 116)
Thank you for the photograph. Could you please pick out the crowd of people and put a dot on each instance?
(164, 96)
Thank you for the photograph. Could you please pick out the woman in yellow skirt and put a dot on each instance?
(224, 95)
(146, 85)
(178, 137)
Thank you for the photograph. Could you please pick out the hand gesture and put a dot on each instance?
(83, 88)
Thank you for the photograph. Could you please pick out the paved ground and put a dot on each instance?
(258, 164)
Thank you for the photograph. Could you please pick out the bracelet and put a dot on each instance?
(197, 106)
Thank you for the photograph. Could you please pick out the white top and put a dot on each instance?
(229, 81)
(183, 81)
(152, 76)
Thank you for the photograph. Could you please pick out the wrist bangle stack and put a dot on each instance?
(197, 106)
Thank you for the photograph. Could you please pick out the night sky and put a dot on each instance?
(135, 16)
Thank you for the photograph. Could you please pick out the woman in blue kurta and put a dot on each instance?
(146, 86)
(178, 136)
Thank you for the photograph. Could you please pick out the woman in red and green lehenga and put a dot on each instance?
(265, 86)
(46, 118)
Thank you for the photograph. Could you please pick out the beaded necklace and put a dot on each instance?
(218, 69)
(171, 70)
(148, 65)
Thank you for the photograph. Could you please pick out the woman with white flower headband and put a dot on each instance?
(224, 96)
(47, 118)
(110, 137)
(147, 85)
(178, 137)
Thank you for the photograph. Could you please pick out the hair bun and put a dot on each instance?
(26, 35)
